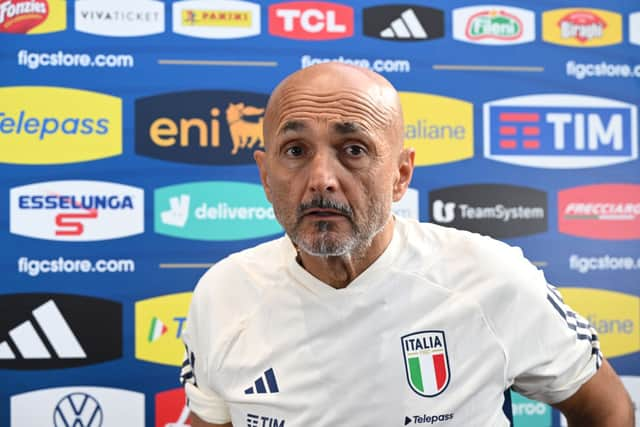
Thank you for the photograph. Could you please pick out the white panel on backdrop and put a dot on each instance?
(408, 206)
(119, 18)
(634, 28)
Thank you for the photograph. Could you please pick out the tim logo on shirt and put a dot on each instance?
(426, 362)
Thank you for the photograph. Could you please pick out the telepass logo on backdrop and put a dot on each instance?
(32, 16)
(305, 20)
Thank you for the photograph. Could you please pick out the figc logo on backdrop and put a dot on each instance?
(222, 19)
(600, 211)
(582, 27)
(214, 210)
(439, 128)
(32, 16)
(37, 129)
(119, 18)
(493, 25)
(76, 211)
(310, 20)
(558, 131)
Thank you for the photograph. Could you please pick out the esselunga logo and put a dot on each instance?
(119, 18)
(614, 315)
(32, 16)
(204, 127)
(494, 25)
(76, 211)
(36, 128)
(222, 19)
(582, 27)
(159, 325)
(440, 129)
(214, 210)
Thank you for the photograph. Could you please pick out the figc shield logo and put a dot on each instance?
(426, 362)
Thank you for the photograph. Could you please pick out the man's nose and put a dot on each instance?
(323, 168)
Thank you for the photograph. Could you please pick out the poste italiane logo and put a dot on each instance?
(582, 27)
(440, 129)
(32, 16)
(159, 325)
(37, 129)
(614, 315)
(493, 25)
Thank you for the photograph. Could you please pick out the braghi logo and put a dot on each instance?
(403, 22)
(493, 25)
(119, 18)
(582, 27)
(440, 129)
(204, 127)
(222, 19)
(32, 16)
(309, 20)
(600, 211)
(560, 131)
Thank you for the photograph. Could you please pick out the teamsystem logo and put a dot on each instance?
(214, 210)
(32, 16)
(119, 18)
(78, 407)
(52, 331)
(310, 20)
(403, 23)
(222, 19)
(493, 209)
(76, 211)
(494, 25)
(582, 27)
(558, 131)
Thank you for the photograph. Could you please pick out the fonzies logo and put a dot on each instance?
(214, 211)
(205, 127)
(159, 325)
(77, 211)
(52, 331)
(32, 16)
(37, 129)
(493, 25)
(426, 362)
(560, 131)
(440, 129)
(310, 20)
(601, 211)
(492, 209)
(582, 27)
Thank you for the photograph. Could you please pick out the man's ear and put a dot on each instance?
(405, 172)
(261, 159)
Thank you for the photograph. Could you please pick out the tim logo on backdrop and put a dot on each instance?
(37, 129)
(32, 16)
(310, 20)
(405, 22)
(119, 18)
(76, 211)
(600, 211)
(222, 19)
(203, 127)
(440, 129)
(560, 131)
(86, 406)
(581, 27)
(494, 25)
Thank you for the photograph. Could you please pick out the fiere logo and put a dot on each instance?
(600, 211)
(310, 20)
(119, 18)
(493, 25)
(403, 23)
(222, 19)
(582, 27)
(560, 131)
(32, 16)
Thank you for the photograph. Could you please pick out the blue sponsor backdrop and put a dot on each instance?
(192, 112)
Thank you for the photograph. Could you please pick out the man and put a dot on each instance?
(357, 318)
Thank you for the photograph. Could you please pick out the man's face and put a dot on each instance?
(330, 168)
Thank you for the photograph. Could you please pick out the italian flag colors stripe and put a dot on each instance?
(428, 373)
(156, 330)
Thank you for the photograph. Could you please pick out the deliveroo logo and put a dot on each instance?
(214, 210)
(529, 413)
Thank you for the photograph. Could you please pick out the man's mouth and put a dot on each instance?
(324, 213)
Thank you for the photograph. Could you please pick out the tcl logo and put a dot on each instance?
(311, 20)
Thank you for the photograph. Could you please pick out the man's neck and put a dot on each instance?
(340, 271)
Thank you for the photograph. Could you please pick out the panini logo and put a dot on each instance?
(78, 407)
(203, 127)
(403, 23)
(310, 20)
(582, 27)
(600, 211)
(214, 210)
(37, 129)
(171, 410)
(494, 25)
(492, 209)
(167, 348)
(558, 131)
(76, 211)
(32, 16)
(224, 19)
(614, 315)
(52, 331)
(440, 129)
(119, 18)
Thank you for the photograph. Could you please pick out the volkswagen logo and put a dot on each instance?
(77, 410)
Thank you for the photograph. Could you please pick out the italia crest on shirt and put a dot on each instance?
(426, 362)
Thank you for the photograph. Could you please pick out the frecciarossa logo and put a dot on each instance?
(310, 20)
(600, 211)
(77, 211)
(204, 127)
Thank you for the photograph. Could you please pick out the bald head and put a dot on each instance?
(331, 90)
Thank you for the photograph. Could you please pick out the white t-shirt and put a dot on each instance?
(432, 333)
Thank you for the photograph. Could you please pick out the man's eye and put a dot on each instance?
(294, 151)
(355, 150)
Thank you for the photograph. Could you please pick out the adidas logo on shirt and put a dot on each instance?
(403, 23)
(268, 378)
